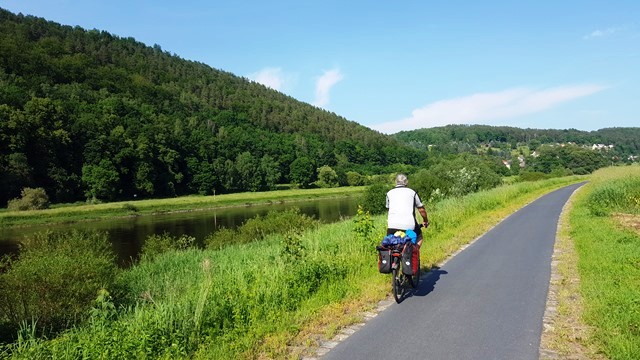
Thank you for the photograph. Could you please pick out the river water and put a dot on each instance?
(128, 234)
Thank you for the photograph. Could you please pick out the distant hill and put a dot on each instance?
(626, 141)
(85, 114)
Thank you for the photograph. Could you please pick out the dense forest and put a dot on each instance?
(88, 115)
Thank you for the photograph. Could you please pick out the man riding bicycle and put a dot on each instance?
(402, 202)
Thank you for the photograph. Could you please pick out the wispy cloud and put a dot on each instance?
(600, 33)
(484, 107)
(324, 85)
(270, 76)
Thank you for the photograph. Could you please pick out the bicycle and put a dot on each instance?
(400, 280)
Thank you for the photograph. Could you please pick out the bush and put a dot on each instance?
(375, 198)
(257, 228)
(463, 175)
(55, 279)
(428, 186)
(156, 244)
(32, 199)
(354, 179)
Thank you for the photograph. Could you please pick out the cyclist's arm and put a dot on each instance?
(425, 218)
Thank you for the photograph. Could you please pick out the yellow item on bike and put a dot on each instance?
(400, 234)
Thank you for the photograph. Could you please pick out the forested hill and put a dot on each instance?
(86, 114)
(625, 141)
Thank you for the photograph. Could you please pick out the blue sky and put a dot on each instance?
(403, 65)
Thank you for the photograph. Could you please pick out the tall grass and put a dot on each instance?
(55, 279)
(609, 260)
(251, 300)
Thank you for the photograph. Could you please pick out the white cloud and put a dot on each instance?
(602, 33)
(324, 85)
(271, 77)
(485, 107)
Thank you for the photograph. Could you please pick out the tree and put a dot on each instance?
(327, 177)
(270, 170)
(301, 172)
(249, 177)
(101, 181)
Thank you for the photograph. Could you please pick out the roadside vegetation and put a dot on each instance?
(605, 226)
(272, 298)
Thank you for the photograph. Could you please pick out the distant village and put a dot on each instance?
(594, 147)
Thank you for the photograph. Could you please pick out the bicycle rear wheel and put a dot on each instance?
(414, 279)
(396, 285)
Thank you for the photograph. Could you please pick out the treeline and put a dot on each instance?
(470, 138)
(88, 115)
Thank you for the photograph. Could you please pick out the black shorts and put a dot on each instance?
(417, 229)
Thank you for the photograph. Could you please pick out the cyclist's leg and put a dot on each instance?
(418, 231)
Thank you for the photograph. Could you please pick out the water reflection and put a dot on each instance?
(128, 234)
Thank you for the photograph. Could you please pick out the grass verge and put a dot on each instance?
(565, 335)
(609, 260)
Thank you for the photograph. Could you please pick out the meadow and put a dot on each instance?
(78, 212)
(276, 298)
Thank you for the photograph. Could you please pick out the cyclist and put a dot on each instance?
(402, 202)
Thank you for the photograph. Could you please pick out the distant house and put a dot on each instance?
(601, 147)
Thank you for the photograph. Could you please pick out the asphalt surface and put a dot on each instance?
(485, 303)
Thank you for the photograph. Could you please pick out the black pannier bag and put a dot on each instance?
(384, 259)
(407, 259)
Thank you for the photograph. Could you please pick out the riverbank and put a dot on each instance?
(65, 213)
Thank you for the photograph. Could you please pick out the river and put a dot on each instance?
(128, 234)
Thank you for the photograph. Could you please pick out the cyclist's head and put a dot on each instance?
(401, 179)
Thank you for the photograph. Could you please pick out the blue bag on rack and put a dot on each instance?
(412, 235)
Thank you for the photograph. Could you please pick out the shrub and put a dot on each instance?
(31, 199)
(428, 186)
(257, 228)
(375, 197)
(220, 238)
(155, 245)
(55, 279)
(354, 179)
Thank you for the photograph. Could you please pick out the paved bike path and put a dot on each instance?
(485, 303)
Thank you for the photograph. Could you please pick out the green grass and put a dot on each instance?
(78, 212)
(609, 260)
(256, 300)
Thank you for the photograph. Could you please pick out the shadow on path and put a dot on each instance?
(428, 281)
